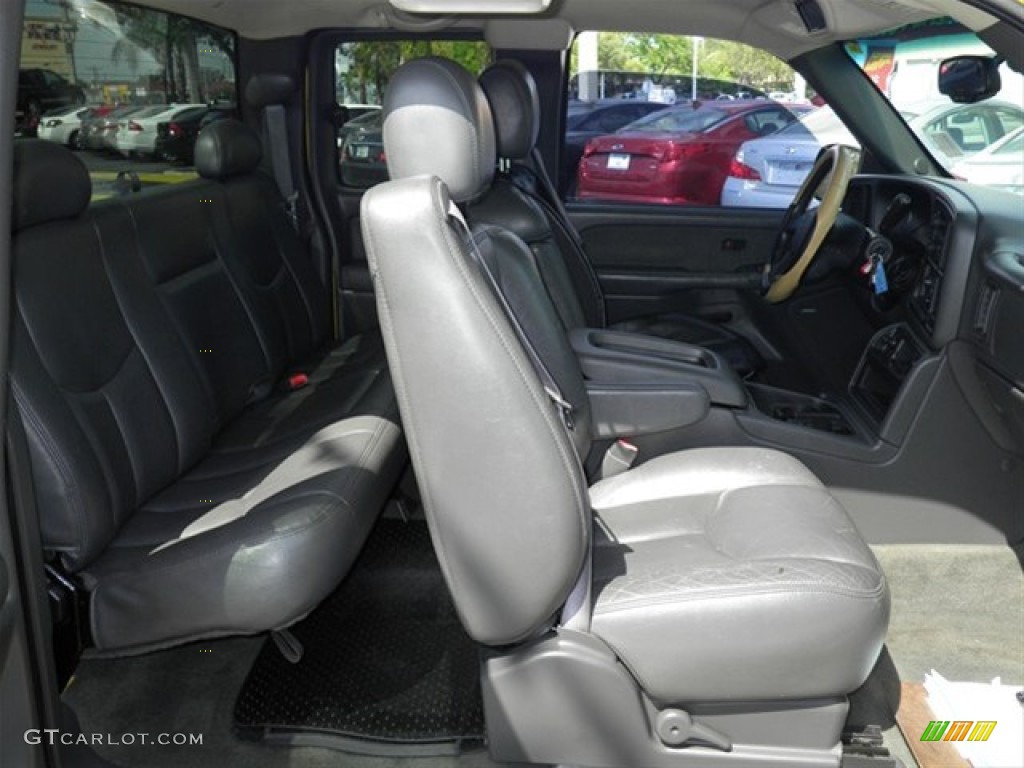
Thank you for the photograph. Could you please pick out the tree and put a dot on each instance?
(173, 41)
(742, 64)
(364, 68)
(660, 55)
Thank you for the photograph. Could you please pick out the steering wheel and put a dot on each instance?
(801, 235)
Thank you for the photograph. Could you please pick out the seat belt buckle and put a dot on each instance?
(564, 407)
(291, 210)
(296, 381)
(620, 456)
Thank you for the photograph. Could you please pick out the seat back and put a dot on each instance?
(267, 258)
(501, 480)
(568, 274)
(112, 411)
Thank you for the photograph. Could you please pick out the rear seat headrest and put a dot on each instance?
(437, 122)
(50, 184)
(227, 148)
(512, 93)
(264, 90)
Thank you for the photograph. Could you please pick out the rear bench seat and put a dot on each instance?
(188, 493)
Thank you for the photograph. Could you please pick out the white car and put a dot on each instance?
(63, 125)
(136, 135)
(767, 172)
(1000, 165)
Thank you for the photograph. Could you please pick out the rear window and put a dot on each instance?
(687, 119)
(103, 78)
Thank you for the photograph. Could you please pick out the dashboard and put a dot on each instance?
(956, 290)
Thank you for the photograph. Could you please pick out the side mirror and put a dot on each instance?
(969, 79)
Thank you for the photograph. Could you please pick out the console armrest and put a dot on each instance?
(618, 411)
(616, 358)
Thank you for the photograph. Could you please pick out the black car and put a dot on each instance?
(39, 91)
(362, 159)
(588, 120)
(176, 139)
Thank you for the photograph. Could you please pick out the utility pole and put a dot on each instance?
(695, 43)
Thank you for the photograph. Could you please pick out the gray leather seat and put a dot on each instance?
(183, 499)
(709, 603)
(524, 200)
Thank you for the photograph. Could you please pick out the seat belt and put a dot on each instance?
(532, 179)
(276, 129)
(550, 195)
(551, 387)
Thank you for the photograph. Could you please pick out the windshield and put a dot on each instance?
(903, 64)
(685, 120)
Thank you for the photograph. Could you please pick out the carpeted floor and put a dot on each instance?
(959, 610)
(387, 667)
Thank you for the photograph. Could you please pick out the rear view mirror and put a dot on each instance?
(968, 79)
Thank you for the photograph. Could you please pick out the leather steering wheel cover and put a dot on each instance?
(845, 162)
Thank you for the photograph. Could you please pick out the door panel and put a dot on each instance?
(652, 260)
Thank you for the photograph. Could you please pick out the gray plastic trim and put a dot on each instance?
(625, 411)
(566, 699)
(627, 359)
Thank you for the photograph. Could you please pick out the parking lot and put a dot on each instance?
(111, 173)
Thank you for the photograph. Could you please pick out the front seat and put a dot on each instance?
(532, 209)
(708, 607)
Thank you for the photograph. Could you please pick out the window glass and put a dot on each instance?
(966, 139)
(362, 71)
(668, 120)
(126, 87)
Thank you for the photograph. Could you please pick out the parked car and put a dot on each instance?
(98, 131)
(954, 131)
(588, 120)
(63, 125)
(361, 157)
(137, 135)
(766, 172)
(176, 139)
(999, 165)
(678, 155)
(368, 117)
(41, 91)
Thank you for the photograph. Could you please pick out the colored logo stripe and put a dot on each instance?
(982, 730)
(958, 730)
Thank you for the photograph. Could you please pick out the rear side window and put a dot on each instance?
(125, 87)
(362, 71)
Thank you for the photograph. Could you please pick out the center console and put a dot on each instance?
(671, 394)
(885, 365)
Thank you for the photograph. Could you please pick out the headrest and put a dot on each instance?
(264, 90)
(227, 148)
(437, 122)
(50, 184)
(512, 92)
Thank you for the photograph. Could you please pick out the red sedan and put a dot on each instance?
(679, 155)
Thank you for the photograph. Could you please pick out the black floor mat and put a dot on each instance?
(387, 667)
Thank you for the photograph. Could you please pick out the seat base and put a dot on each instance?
(565, 698)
